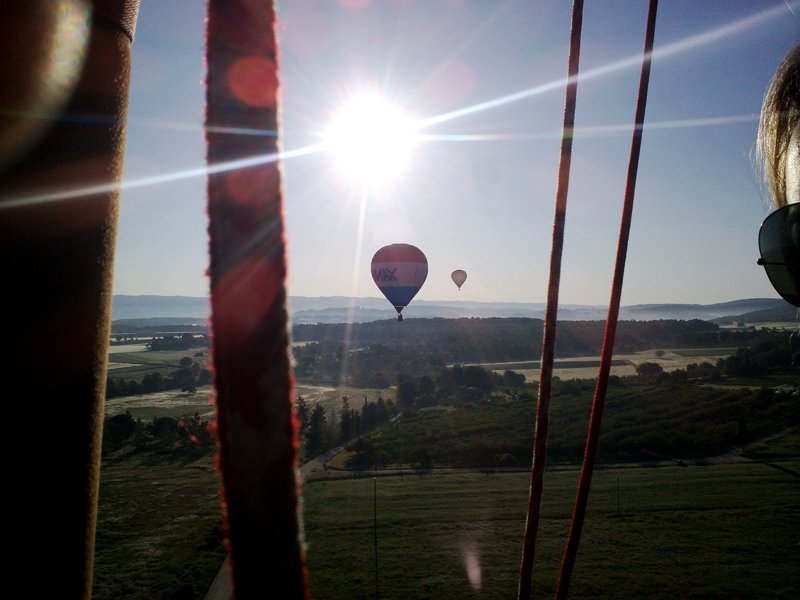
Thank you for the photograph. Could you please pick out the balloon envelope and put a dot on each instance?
(399, 270)
(459, 277)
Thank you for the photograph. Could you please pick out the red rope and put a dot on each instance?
(551, 312)
(581, 500)
(254, 385)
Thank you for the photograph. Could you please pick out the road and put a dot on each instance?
(221, 586)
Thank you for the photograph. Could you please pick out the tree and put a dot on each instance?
(513, 379)
(478, 378)
(347, 422)
(649, 369)
(421, 459)
(406, 393)
(317, 438)
(117, 429)
(303, 417)
(184, 379)
(153, 382)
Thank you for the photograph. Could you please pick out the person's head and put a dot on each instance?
(779, 158)
(779, 132)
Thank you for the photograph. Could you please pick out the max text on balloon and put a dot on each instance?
(385, 275)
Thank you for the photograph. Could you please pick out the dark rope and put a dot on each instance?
(579, 511)
(254, 385)
(551, 312)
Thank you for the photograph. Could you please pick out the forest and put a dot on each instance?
(707, 407)
(373, 354)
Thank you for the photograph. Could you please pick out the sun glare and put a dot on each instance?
(370, 139)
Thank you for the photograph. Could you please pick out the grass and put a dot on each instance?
(641, 422)
(169, 403)
(331, 397)
(138, 362)
(723, 531)
(560, 363)
(158, 531)
(622, 365)
(705, 352)
(784, 445)
(680, 532)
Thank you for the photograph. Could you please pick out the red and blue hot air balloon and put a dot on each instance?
(399, 270)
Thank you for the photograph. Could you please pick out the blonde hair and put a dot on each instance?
(780, 114)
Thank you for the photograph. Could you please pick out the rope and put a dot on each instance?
(551, 312)
(579, 511)
(255, 425)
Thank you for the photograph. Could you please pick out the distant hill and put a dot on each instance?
(341, 309)
(784, 313)
(149, 307)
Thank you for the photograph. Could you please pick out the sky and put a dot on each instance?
(485, 82)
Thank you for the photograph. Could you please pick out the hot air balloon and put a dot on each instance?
(399, 270)
(459, 277)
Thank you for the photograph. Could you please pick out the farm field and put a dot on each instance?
(174, 403)
(331, 397)
(159, 531)
(133, 361)
(169, 403)
(719, 531)
(790, 325)
(722, 531)
(622, 364)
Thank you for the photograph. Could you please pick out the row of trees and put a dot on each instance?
(775, 352)
(664, 420)
(496, 339)
(188, 377)
(425, 346)
(781, 351)
(319, 432)
(178, 342)
(161, 434)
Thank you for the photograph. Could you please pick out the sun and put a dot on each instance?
(370, 139)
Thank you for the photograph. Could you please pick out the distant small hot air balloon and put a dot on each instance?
(459, 277)
(399, 270)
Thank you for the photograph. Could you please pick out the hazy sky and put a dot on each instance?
(479, 191)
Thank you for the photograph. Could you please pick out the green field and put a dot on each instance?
(159, 528)
(622, 365)
(716, 531)
(723, 531)
(705, 352)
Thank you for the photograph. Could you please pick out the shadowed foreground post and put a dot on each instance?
(254, 384)
(56, 270)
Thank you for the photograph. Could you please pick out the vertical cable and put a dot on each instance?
(551, 312)
(579, 511)
(254, 385)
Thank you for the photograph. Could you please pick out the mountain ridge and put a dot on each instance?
(343, 309)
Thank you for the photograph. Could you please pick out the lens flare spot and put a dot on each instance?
(70, 39)
(244, 294)
(39, 68)
(253, 185)
(472, 566)
(253, 80)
